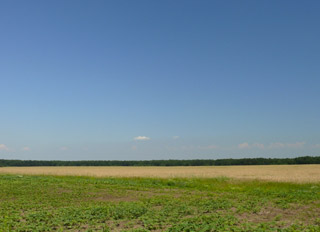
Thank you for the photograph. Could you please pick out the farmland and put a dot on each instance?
(87, 203)
(281, 173)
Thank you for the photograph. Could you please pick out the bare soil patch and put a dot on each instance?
(305, 214)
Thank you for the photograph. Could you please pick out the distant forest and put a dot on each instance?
(195, 162)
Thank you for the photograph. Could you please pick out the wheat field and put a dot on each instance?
(281, 173)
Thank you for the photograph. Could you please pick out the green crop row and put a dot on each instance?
(51, 203)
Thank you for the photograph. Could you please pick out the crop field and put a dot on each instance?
(84, 203)
(282, 173)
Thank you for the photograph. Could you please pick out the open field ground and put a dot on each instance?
(282, 173)
(70, 203)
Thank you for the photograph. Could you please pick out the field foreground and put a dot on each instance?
(282, 173)
(70, 203)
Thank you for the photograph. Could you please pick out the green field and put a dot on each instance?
(52, 203)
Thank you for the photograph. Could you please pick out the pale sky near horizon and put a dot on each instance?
(137, 80)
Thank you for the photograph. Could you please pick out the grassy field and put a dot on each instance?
(74, 203)
(282, 173)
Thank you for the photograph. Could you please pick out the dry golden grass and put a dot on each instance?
(282, 173)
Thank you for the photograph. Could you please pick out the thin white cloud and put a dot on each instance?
(187, 147)
(176, 137)
(278, 145)
(209, 147)
(3, 147)
(258, 145)
(243, 146)
(64, 148)
(141, 138)
(296, 145)
(248, 146)
(26, 149)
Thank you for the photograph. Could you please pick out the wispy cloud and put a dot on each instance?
(3, 147)
(141, 138)
(248, 146)
(176, 137)
(243, 146)
(278, 145)
(258, 145)
(64, 148)
(209, 147)
(296, 145)
(25, 149)
(187, 147)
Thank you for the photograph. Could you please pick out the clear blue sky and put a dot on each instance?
(159, 79)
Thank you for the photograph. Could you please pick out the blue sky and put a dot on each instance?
(159, 79)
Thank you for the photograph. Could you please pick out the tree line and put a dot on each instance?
(194, 162)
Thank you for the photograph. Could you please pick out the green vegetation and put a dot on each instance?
(51, 203)
(198, 162)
